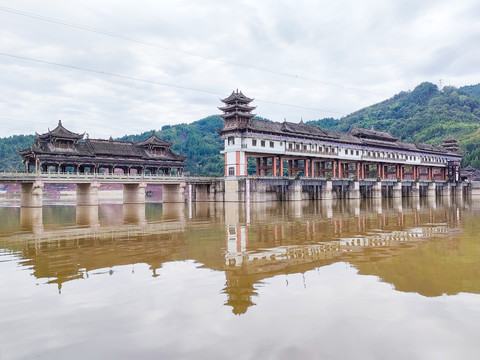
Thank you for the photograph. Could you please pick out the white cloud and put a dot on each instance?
(334, 56)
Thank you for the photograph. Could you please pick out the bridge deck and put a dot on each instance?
(109, 178)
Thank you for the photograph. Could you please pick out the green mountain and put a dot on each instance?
(9, 159)
(425, 114)
(199, 141)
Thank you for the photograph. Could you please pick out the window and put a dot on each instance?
(297, 146)
(231, 170)
(262, 143)
(290, 146)
(357, 153)
(254, 142)
(231, 140)
(304, 147)
(158, 151)
(271, 144)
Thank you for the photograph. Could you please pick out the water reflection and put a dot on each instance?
(414, 244)
(31, 219)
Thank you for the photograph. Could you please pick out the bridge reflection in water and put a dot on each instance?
(403, 241)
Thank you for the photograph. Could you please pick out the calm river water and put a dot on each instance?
(370, 279)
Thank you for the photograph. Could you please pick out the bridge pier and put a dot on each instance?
(295, 191)
(31, 194)
(397, 190)
(134, 193)
(234, 191)
(203, 192)
(377, 190)
(354, 190)
(172, 193)
(415, 190)
(87, 194)
(432, 190)
(327, 191)
(447, 190)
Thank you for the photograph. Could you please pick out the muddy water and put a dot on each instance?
(330, 280)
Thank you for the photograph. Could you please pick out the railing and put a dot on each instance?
(15, 175)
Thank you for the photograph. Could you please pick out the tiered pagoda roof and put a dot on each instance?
(237, 106)
(60, 133)
(451, 144)
(237, 97)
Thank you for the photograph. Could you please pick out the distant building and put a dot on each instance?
(286, 148)
(471, 173)
(61, 150)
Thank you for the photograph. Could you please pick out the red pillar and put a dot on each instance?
(305, 167)
(246, 158)
(274, 164)
(280, 173)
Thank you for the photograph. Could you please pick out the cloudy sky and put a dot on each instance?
(112, 67)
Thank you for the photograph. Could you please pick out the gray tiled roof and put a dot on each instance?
(101, 149)
(60, 132)
(154, 140)
(373, 134)
(237, 96)
(358, 136)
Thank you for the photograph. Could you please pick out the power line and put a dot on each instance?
(173, 49)
(152, 81)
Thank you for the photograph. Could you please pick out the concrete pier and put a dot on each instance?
(234, 191)
(354, 190)
(295, 191)
(415, 190)
(397, 190)
(87, 194)
(327, 191)
(377, 190)
(172, 193)
(31, 194)
(134, 193)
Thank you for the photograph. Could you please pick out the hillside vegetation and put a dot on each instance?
(425, 114)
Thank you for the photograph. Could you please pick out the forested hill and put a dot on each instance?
(199, 141)
(425, 114)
